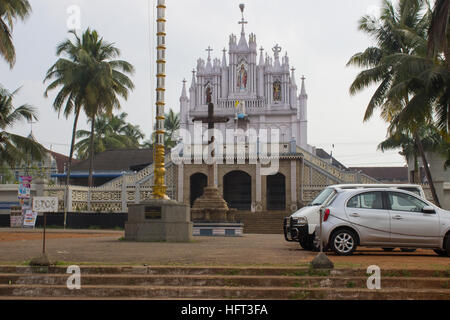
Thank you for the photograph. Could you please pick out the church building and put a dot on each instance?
(256, 89)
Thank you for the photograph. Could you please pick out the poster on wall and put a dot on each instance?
(29, 217)
(24, 187)
(16, 217)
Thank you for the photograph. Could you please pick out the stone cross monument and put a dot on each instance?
(211, 207)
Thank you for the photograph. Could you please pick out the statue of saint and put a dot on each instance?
(208, 95)
(277, 91)
(242, 78)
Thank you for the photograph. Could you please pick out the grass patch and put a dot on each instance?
(350, 284)
(233, 272)
(301, 295)
(308, 272)
(396, 273)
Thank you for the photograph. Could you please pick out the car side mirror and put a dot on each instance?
(428, 209)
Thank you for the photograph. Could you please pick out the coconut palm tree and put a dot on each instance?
(171, 125)
(439, 32)
(11, 10)
(90, 79)
(15, 149)
(400, 33)
(431, 141)
(110, 133)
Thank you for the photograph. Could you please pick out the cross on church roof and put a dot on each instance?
(242, 22)
(209, 51)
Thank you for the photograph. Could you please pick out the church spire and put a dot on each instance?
(242, 41)
(303, 90)
(293, 76)
(183, 91)
(224, 58)
(261, 57)
(193, 83)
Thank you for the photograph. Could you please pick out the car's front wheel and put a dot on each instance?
(344, 242)
(307, 243)
(440, 252)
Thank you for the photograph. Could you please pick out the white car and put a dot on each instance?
(301, 225)
(385, 218)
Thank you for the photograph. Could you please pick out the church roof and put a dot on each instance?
(117, 160)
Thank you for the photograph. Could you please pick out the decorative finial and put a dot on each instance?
(209, 52)
(242, 22)
(276, 50)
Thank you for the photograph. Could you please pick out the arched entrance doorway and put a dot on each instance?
(237, 190)
(198, 182)
(276, 192)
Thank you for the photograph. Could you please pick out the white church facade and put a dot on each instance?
(260, 88)
(261, 85)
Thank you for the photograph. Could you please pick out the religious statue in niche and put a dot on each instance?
(277, 91)
(208, 94)
(242, 77)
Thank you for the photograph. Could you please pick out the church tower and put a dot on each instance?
(265, 85)
(303, 116)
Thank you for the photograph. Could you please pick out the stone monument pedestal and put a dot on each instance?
(212, 217)
(159, 220)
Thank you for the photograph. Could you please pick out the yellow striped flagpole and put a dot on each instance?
(159, 186)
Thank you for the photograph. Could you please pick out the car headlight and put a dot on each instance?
(300, 220)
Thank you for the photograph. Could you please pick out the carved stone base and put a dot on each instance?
(211, 207)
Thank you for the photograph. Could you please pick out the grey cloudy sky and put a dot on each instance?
(319, 36)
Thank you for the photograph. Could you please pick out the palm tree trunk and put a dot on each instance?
(69, 165)
(91, 155)
(427, 169)
(416, 177)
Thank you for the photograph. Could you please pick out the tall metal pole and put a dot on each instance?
(159, 185)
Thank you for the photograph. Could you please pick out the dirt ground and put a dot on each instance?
(17, 236)
(108, 247)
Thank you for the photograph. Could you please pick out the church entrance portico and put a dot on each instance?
(237, 190)
(276, 192)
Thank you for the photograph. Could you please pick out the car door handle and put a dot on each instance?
(354, 215)
(397, 217)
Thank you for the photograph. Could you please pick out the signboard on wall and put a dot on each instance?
(29, 218)
(16, 217)
(45, 204)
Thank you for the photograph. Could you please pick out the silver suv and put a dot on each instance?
(385, 218)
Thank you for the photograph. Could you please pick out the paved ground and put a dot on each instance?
(106, 247)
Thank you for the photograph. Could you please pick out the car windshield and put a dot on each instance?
(320, 199)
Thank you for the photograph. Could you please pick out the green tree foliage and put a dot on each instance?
(171, 125)
(412, 88)
(110, 133)
(10, 11)
(15, 149)
(91, 79)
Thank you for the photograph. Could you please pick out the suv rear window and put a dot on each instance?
(413, 190)
(320, 199)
